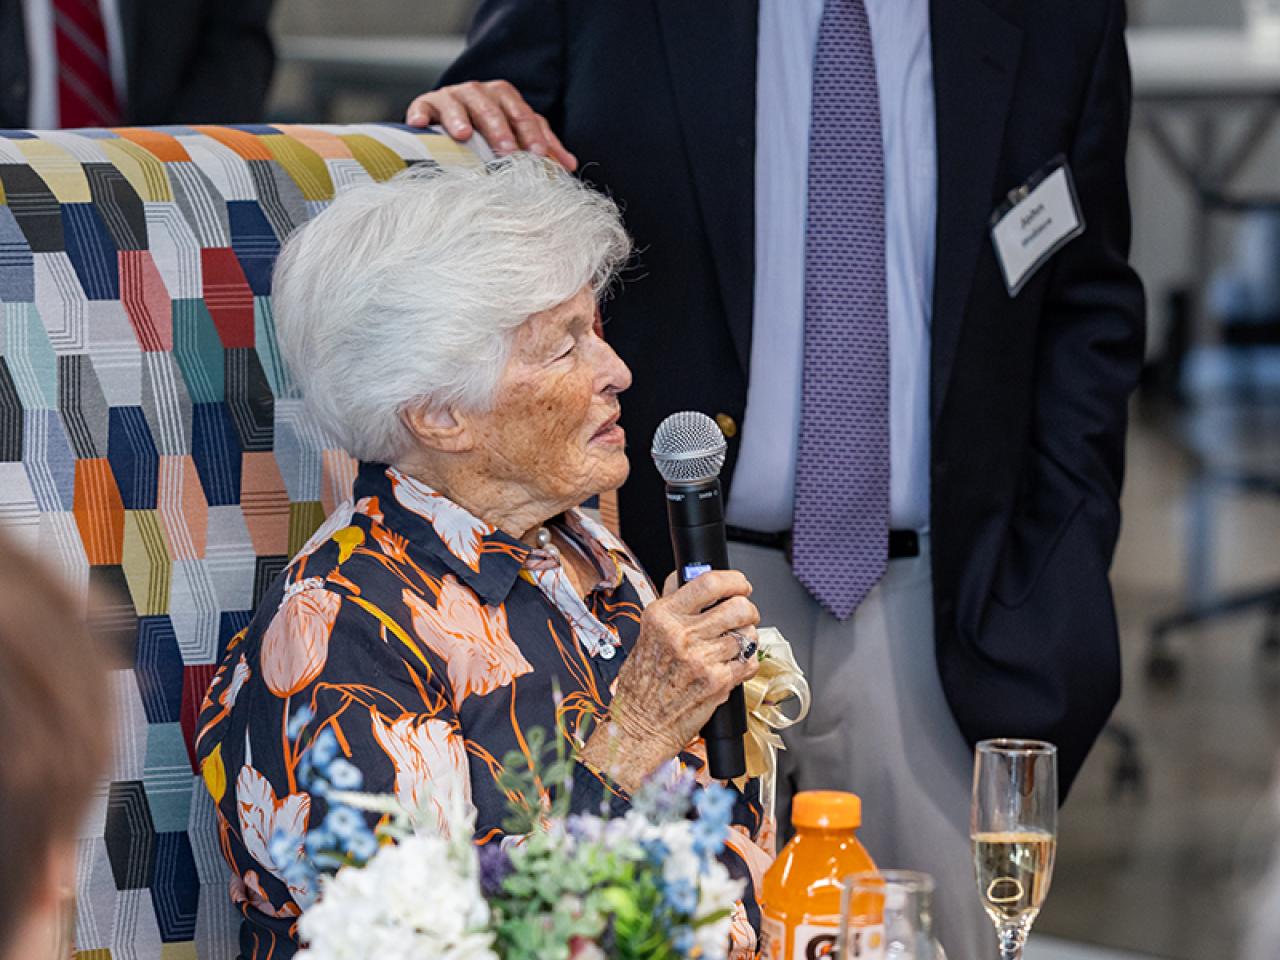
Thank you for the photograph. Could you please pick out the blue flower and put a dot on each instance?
(298, 722)
(345, 775)
(319, 843)
(301, 878)
(344, 823)
(681, 896)
(715, 803)
(283, 848)
(324, 750)
(682, 940)
(656, 850)
(708, 838)
(363, 846)
(715, 809)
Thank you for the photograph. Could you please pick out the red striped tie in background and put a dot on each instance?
(86, 95)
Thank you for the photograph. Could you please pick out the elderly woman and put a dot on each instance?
(445, 330)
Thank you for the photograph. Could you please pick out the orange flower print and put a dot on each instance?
(339, 519)
(462, 533)
(249, 890)
(261, 815)
(369, 507)
(468, 635)
(393, 545)
(238, 679)
(742, 936)
(752, 852)
(430, 759)
(296, 644)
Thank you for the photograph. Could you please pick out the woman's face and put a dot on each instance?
(553, 429)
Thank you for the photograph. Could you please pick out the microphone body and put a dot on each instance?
(695, 511)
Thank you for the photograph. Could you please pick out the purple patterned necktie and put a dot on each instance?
(841, 532)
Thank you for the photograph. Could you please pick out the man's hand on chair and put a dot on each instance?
(494, 109)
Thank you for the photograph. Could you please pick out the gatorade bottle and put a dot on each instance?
(801, 891)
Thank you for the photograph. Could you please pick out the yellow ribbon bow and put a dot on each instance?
(779, 679)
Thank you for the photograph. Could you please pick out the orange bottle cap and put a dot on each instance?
(826, 810)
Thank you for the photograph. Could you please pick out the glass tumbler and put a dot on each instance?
(887, 915)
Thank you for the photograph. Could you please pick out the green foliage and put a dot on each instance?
(566, 888)
(539, 783)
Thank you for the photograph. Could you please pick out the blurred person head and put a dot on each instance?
(56, 718)
(445, 322)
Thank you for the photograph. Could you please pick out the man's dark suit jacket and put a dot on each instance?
(187, 61)
(1028, 394)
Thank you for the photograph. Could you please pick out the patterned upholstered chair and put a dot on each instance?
(152, 444)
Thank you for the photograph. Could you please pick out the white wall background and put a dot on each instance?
(371, 17)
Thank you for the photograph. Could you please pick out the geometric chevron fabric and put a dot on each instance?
(152, 446)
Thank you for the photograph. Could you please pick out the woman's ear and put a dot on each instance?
(438, 428)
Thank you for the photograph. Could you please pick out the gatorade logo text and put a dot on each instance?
(819, 948)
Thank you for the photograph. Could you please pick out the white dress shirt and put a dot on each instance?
(764, 479)
(42, 60)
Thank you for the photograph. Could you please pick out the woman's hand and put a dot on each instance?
(683, 666)
(500, 114)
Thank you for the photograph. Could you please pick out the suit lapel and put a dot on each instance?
(975, 62)
(129, 30)
(711, 56)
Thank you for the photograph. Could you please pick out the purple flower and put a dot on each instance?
(495, 867)
(584, 828)
(664, 797)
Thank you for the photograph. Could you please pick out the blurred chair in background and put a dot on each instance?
(1228, 421)
(101, 63)
(55, 731)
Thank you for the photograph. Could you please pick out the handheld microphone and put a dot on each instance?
(689, 451)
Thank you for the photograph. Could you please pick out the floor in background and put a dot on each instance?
(1048, 948)
(1170, 872)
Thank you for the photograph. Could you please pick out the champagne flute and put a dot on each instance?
(1014, 829)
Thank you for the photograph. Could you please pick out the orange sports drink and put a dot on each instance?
(801, 891)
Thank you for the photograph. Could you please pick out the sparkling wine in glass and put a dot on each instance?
(1014, 830)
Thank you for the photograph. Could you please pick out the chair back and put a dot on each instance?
(152, 446)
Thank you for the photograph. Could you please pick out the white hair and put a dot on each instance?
(410, 291)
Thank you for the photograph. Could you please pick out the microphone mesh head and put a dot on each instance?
(688, 447)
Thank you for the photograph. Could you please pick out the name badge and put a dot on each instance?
(1040, 218)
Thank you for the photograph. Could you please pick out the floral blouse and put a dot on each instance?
(429, 643)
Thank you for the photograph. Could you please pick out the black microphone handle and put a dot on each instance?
(696, 514)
